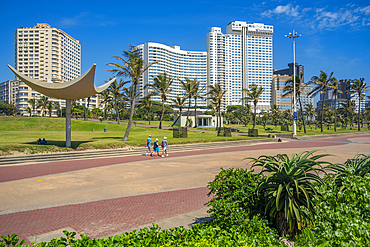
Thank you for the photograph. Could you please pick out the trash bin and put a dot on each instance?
(105, 129)
(92, 130)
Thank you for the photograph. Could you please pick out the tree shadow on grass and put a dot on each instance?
(111, 137)
(62, 144)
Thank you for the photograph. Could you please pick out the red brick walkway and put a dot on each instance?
(105, 217)
(10, 173)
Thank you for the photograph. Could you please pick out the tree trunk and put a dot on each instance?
(322, 112)
(335, 112)
(300, 104)
(131, 114)
(187, 118)
(160, 122)
(219, 114)
(117, 113)
(195, 116)
(359, 112)
(149, 116)
(255, 112)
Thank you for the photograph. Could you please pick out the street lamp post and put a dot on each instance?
(293, 36)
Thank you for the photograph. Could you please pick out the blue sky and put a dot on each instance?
(335, 34)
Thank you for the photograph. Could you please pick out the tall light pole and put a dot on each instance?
(293, 36)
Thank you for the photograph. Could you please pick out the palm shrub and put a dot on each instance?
(358, 166)
(288, 187)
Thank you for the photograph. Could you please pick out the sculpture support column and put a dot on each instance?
(68, 123)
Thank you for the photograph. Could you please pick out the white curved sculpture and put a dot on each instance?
(79, 88)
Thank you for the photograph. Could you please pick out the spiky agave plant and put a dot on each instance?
(289, 186)
(359, 166)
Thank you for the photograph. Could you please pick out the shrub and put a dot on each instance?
(235, 197)
(199, 235)
(342, 217)
(288, 187)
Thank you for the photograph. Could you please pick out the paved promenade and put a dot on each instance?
(104, 196)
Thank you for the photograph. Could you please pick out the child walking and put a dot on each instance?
(164, 146)
(156, 147)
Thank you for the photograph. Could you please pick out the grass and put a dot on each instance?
(19, 134)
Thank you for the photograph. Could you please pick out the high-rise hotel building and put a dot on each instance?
(47, 53)
(174, 62)
(240, 58)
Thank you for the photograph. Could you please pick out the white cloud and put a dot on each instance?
(288, 10)
(351, 15)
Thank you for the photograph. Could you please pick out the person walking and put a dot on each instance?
(156, 147)
(148, 143)
(164, 146)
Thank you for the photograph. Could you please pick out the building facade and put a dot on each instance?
(286, 102)
(177, 63)
(240, 58)
(49, 54)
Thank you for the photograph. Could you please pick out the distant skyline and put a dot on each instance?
(335, 34)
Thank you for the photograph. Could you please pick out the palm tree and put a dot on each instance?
(188, 87)
(275, 114)
(128, 96)
(56, 106)
(347, 108)
(33, 103)
(253, 94)
(29, 110)
(180, 103)
(106, 97)
(50, 107)
(115, 90)
(322, 84)
(162, 86)
(213, 108)
(310, 111)
(299, 89)
(146, 103)
(335, 84)
(133, 67)
(216, 93)
(358, 86)
(42, 103)
(197, 93)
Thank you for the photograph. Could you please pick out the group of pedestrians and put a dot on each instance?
(156, 146)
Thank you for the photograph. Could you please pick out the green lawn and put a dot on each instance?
(21, 133)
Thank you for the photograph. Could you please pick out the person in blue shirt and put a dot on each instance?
(148, 143)
(156, 147)
(164, 146)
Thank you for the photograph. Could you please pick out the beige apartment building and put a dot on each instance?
(48, 54)
(285, 103)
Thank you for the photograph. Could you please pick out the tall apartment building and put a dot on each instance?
(174, 62)
(49, 54)
(285, 103)
(240, 58)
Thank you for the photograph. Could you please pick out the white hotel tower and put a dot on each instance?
(174, 62)
(240, 58)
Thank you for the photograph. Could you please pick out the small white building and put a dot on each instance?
(203, 120)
